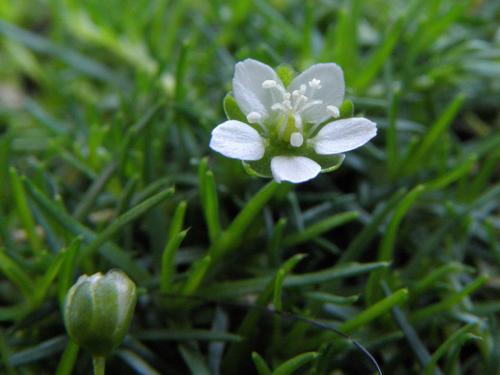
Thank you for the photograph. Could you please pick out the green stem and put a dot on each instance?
(99, 365)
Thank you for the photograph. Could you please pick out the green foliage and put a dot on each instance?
(106, 106)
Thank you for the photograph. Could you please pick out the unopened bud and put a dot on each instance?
(98, 311)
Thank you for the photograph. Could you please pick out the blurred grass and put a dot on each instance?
(105, 106)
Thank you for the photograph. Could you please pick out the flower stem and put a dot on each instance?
(99, 365)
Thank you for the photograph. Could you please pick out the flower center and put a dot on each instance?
(289, 107)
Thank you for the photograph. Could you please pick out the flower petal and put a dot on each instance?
(294, 168)
(248, 77)
(343, 135)
(330, 92)
(237, 140)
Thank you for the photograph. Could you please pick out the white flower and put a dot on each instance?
(287, 132)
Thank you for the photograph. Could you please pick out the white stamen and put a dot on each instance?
(286, 96)
(333, 110)
(254, 117)
(298, 121)
(298, 102)
(311, 104)
(269, 83)
(296, 93)
(315, 83)
(296, 139)
(303, 89)
(278, 107)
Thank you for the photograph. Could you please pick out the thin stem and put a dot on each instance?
(99, 365)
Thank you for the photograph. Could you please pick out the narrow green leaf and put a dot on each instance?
(137, 363)
(194, 361)
(45, 282)
(24, 211)
(450, 301)
(319, 228)
(274, 244)
(196, 275)
(392, 149)
(168, 260)
(211, 207)
(43, 350)
(88, 199)
(125, 219)
(260, 364)
(173, 334)
(381, 307)
(457, 338)
(363, 238)
(5, 355)
(295, 363)
(386, 248)
(14, 313)
(330, 298)
(432, 278)
(453, 175)
(232, 237)
(68, 268)
(180, 72)
(178, 219)
(245, 286)
(410, 333)
(432, 136)
(110, 251)
(70, 57)
(377, 59)
(279, 278)
(68, 359)
(16, 274)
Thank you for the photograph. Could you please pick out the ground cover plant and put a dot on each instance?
(106, 114)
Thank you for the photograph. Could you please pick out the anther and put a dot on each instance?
(254, 117)
(296, 139)
(287, 104)
(278, 107)
(315, 83)
(269, 84)
(333, 110)
(303, 89)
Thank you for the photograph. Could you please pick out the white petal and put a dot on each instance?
(247, 86)
(237, 140)
(294, 168)
(331, 91)
(343, 135)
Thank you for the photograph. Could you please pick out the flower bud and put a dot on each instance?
(98, 311)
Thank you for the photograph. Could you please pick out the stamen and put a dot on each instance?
(298, 121)
(303, 89)
(278, 107)
(296, 139)
(269, 84)
(333, 110)
(282, 126)
(315, 83)
(311, 104)
(254, 117)
(298, 102)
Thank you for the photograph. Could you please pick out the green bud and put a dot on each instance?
(98, 311)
